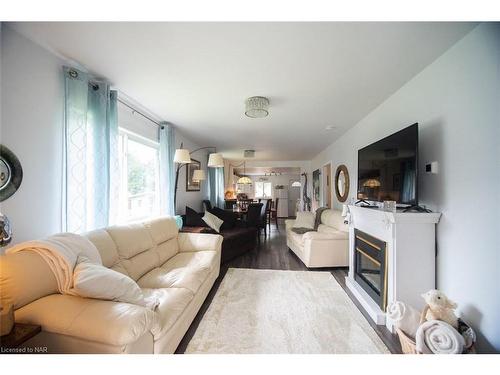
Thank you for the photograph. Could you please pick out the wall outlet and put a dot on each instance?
(432, 167)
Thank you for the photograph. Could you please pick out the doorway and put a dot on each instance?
(293, 197)
(327, 185)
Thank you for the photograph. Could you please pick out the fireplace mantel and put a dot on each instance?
(410, 255)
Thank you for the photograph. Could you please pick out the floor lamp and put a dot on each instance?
(182, 158)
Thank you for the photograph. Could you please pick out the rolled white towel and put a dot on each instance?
(438, 337)
(405, 317)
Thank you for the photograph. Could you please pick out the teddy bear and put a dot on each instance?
(440, 307)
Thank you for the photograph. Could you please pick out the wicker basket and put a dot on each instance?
(408, 345)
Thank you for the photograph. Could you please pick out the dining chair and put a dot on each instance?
(254, 217)
(274, 213)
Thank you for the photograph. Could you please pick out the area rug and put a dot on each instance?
(268, 311)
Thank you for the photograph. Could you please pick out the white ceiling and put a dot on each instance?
(198, 75)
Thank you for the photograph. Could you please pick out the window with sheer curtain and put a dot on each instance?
(139, 197)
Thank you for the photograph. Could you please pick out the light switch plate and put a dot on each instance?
(432, 167)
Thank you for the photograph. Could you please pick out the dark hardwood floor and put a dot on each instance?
(272, 253)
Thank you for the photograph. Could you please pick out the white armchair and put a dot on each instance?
(326, 247)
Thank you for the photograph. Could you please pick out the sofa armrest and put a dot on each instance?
(108, 322)
(189, 242)
(289, 224)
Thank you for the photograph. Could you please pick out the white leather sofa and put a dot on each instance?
(326, 247)
(180, 268)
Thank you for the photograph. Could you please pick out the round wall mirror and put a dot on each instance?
(11, 173)
(342, 183)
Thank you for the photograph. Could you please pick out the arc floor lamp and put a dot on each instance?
(182, 157)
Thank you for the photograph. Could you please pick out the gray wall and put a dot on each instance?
(456, 101)
(32, 102)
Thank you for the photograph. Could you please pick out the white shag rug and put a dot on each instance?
(268, 311)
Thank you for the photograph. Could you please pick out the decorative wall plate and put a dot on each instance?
(11, 173)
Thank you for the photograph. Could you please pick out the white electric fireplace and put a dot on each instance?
(392, 257)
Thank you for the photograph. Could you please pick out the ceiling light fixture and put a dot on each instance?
(257, 107)
(244, 180)
(330, 127)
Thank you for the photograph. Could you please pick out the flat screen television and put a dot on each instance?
(388, 169)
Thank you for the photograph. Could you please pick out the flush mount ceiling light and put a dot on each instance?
(330, 127)
(257, 107)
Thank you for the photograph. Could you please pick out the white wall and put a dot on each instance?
(32, 100)
(185, 198)
(456, 101)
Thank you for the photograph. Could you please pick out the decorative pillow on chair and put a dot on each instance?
(193, 218)
(213, 221)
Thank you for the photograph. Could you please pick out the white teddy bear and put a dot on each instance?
(440, 307)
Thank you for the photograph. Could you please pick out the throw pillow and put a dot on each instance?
(228, 217)
(305, 219)
(193, 218)
(96, 281)
(213, 221)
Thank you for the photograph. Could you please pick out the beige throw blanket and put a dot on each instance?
(62, 252)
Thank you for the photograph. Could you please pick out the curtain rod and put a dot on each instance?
(142, 114)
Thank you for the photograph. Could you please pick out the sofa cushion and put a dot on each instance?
(173, 302)
(108, 322)
(96, 281)
(330, 230)
(228, 217)
(162, 229)
(185, 270)
(333, 218)
(212, 221)
(305, 219)
(193, 218)
(105, 245)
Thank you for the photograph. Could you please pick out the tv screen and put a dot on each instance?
(387, 169)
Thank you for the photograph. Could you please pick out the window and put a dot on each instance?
(139, 178)
(263, 189)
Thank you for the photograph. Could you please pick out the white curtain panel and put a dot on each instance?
(91, 170)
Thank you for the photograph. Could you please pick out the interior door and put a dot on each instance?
(293, 197)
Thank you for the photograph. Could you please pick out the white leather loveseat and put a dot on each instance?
(179, 268)
(326, 247)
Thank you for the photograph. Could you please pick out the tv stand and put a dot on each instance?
(416, 207)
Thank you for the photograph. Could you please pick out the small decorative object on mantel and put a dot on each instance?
(390, 206)
(6, 319)
(279, 187)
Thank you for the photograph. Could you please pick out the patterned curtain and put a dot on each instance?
(216, 186)
(167, 169)
(91, 153)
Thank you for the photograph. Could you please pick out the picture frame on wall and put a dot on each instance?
(316, 185)
(190, 184)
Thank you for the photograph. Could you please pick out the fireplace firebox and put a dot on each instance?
(370, 263)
